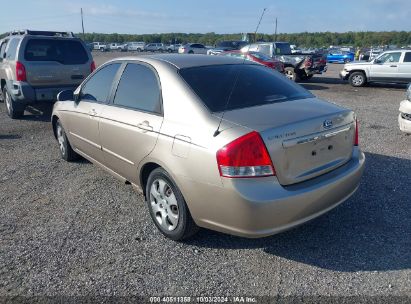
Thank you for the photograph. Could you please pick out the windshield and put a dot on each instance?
(256, 85)
(282, 48)
(63, 51)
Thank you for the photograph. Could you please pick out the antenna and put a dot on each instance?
(275, 34)
(82, 23)
(236, 79)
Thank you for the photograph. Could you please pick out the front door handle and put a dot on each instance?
(92, 112)
(393, 66)
(145, 125)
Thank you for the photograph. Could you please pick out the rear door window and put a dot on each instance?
(11, 49)
(98, 86)
(256, 85)
(407, 57)
(63, 51)
(139, 89)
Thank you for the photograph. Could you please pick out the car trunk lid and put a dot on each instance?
(305, 138)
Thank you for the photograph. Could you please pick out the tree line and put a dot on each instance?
(318, 39)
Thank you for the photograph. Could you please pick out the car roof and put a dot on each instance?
(181, 61)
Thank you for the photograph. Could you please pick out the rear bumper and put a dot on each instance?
(24, 93)
(404, 118)
(261, 207)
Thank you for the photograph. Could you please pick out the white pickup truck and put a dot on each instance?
(118, 47)
(100, 46)
(390, 66)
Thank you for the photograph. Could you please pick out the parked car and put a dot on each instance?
(36, 65)
(154, 47)
(136, 46)
(404, 118)
(172, 48)
(340, 57)
(118, 47)
(301, 66)
(374, 53)
(192, 48)
(391, 66)
(225, 46)
(256, 57)
(103, 47)
(279, 158)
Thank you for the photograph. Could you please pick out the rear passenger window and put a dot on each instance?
(98, 87)
(12, 49)
(3, 49)
(139, 89)
(407, 57)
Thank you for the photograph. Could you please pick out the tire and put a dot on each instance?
(167, 207)
(191, 52)
(13, 109)
(66, 151)
(101, 49)
(290, 73)
(139, 50)
(170, 50)
(346, 60)
(357, 79)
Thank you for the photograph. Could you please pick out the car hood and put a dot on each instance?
(355, 64)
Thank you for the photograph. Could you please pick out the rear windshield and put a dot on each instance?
(282, 48)
(256, 85)
(63, 51)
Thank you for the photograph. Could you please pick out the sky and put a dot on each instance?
(193, 16)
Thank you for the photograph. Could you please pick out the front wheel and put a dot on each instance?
(290, 73)
(357, 79)
(66, 151)
(14, 110)
(167, 206)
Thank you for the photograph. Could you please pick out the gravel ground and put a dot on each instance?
(70, 229)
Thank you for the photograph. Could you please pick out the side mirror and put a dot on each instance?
(377, 61)
(65, 95)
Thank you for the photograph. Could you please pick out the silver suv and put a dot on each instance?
(36, 65)
(390, 66)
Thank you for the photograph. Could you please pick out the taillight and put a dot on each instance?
(247, 156)
(20, 72)
(92, 66)
(356, 133)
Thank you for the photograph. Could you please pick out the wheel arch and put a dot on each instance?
(145, 171)
(54, 119)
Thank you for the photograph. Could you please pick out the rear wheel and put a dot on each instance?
(66, 151)
(357, 79)
(191, 52)
(14, 110)
(167, 206)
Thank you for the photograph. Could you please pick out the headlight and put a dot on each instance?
(408, 93)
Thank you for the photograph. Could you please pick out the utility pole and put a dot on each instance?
(82, 23)
(275, 33)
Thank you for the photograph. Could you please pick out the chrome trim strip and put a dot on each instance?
(118, 156)
(86, 140)
(310, 138)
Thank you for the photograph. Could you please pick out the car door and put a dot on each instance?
(130, 125)
(404, 68)
(83, 120)
(385, 67)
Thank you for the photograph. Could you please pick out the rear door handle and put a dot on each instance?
(393, 66)
(145, 125)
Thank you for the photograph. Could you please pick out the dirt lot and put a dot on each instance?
(70, 229)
